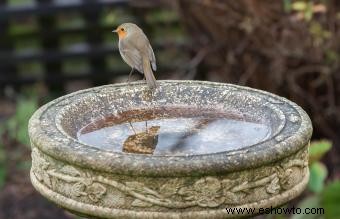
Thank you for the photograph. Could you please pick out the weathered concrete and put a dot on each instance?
(99, 183)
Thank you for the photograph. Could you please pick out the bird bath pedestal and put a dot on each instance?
(262, 165)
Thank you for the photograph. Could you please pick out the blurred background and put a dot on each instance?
(53, 47)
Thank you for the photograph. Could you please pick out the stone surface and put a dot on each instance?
(105, 184)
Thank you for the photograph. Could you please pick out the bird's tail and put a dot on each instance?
(150, 78)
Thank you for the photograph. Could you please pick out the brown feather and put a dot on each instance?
(150, 78)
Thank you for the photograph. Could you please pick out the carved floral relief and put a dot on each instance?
(210, 191)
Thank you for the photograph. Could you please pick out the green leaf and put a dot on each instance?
(318, 174)
(332, 56)
(331, 199)
(25, 109)
(2, 129)
(309, 11)
(24, 165)
(2, 175)
(2, 165)
(309, 202)
(299, 6)
(287, 5)
(318, 149)
(11, 125)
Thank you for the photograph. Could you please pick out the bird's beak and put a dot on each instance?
(114, 31)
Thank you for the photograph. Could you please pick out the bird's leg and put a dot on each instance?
(144, 78)
(132, 69)
(132, 127)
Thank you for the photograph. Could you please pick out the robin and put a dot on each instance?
(136, 51)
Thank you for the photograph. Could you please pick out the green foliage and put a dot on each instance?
(310, 202)
(319, 33)
(70, 20)
(308, 12)
(304, 10)
(20, 2)
(2, 162)
(24, 165)
(2, 175)
(330, 200)
(303, 7)
(2, 159)
(318, 174)
(78, 65)
(17, 124)
(332, 56)
(287, 5)
(17, 28)
(318, 149)
(299, 5)
(162, 16)
(318, 171)
(16, 128)
(324, 197)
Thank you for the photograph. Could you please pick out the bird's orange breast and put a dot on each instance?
(121, 34)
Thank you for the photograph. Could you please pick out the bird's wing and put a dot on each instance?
(152, 58)
(132, 57)
(142, 44)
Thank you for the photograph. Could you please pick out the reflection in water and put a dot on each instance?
(143, 142)
(167, 134)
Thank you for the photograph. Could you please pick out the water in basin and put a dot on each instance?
(172, 132)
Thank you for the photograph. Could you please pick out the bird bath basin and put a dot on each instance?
(189, 149)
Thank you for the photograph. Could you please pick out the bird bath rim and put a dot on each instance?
(48, 135)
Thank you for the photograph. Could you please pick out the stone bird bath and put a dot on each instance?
(256, 155)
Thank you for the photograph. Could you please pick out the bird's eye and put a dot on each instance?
(122, 29)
